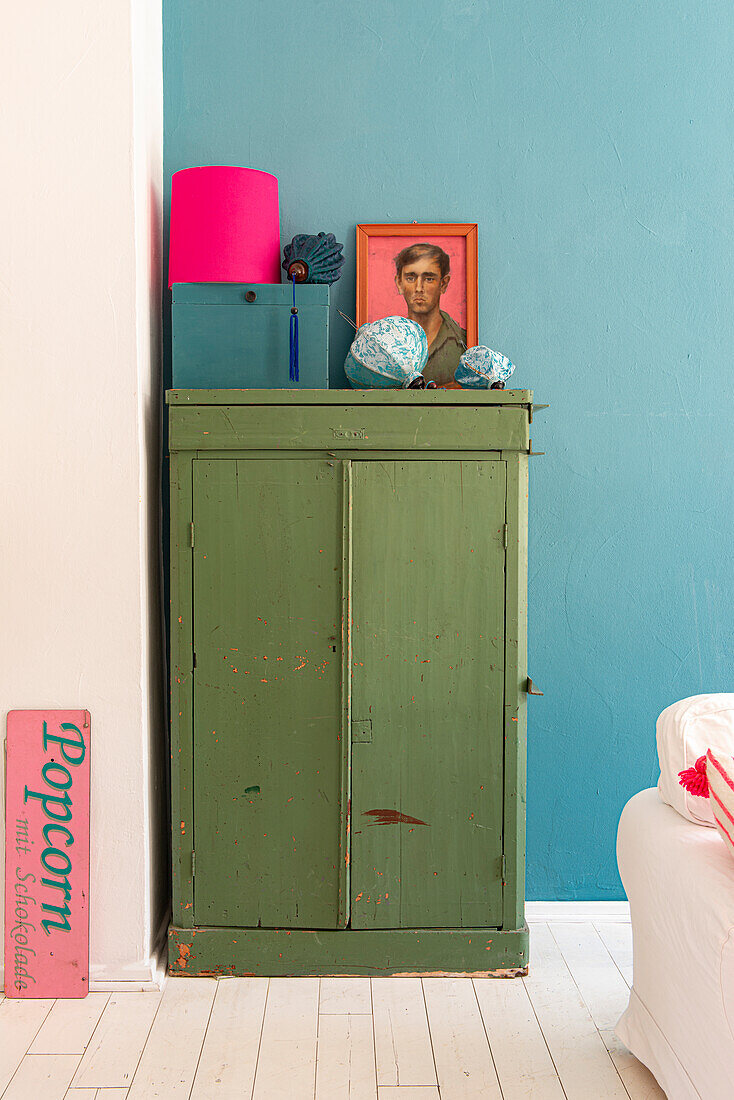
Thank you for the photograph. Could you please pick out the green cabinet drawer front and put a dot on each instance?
(415, 428)
(428, 596)
(267, 753)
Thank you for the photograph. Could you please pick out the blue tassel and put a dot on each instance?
(294, 337)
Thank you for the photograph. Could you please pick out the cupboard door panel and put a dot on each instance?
(428, 595)
(267, 692)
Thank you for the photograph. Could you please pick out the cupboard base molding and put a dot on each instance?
(277, 953)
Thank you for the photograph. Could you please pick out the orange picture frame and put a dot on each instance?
(419, 232)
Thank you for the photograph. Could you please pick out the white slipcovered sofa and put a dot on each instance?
(679, 877)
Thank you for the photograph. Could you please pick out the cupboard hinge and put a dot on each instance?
(504, 536)
(193, 862)
(191, 534)
(504, 869)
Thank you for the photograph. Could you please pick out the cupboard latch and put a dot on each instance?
(193, 862)
(504, 869)
(504, 536)
(362, 732)
(191, 534)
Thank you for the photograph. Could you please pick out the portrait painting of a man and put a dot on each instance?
(422, 275)
(428, 274)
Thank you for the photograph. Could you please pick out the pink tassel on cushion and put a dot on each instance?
(694, 779)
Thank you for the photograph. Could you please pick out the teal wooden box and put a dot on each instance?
(237, 335)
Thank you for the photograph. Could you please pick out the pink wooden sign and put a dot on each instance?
(47, 854)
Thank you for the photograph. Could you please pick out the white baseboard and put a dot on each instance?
(109, 985)
(609, 912)
(105, 979)
(144, 978)
(136, 979)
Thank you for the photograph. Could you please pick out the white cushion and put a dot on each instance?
(720, 774)
(685, 731)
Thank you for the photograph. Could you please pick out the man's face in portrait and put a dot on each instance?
(421, 285)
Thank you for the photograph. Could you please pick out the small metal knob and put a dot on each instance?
(298, 270)
(250, 296)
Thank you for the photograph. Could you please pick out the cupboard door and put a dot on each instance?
(428, 595)
(267, 692)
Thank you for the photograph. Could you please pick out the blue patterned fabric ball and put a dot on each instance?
(387, 354)
(479, 367)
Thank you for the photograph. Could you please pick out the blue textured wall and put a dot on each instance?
(592, 144)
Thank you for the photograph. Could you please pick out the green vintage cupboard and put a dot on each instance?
(348, 610)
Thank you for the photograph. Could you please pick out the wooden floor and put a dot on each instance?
(545, 1037)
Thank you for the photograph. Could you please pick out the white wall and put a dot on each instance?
(80, 259)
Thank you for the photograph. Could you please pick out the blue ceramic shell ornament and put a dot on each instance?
(481, 368)
(388, 354)
(313, 258)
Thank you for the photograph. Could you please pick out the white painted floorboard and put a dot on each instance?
(20, 1022)
(618, 942)
(96, 1094)
(576, 1047)
(168, 1063)
(408, 1092)
(44, 1076)
(340, 995)
(345, 1061)
(521, 1056)
(286, 1067)
(402, 1040)
(70, 1025)
(546, 1037)
(228, 1059)
(595, 973)
(112, 1056)
(464, 1064)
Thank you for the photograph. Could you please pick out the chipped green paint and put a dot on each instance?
(348, 678)
(220, 952)
(266, 568)
(428, 618)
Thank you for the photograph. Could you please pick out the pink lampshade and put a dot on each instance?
(224, 226)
